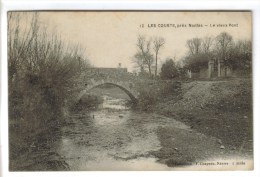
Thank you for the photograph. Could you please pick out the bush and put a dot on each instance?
(42, 72)
(169, 70)
(147, 99)
(158, 91)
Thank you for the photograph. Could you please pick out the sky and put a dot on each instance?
(110, 37)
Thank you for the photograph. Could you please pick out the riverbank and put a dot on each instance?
(38, 153)
(220, 109)
(210, 119)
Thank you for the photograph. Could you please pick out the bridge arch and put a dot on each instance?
(126, 87)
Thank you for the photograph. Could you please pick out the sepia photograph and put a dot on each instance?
(130, 90)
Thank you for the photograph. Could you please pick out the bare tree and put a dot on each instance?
(194, 46)
(158, 43)
(42, 70)
(20, 41)
(139, 61)
(199, 53)
(144, 49)
(207, 43)
(223, 44)
(240, 55)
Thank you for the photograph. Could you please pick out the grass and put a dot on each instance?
(219, 109)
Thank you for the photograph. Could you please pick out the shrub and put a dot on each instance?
(156, 92)
(147, 99)
(42, 72)
(169, 70)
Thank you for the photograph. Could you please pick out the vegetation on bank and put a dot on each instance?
(217, 108)
(152, 93)
(42, 71)
(222, 109)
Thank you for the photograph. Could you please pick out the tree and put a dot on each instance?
(42, 71)
(199, 53)
(194, 46)
(240, 55)
(196, 62)
(224, 42)
(223, 45)
(207, 43)
(169, 70)
(158, 43)
(144, 53)
(139, 62)
(234, 54)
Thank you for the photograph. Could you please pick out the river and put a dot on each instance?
(113, 137)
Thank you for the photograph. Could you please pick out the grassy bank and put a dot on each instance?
(219, 109)
(222, 109)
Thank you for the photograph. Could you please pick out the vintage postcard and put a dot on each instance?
(130, 90)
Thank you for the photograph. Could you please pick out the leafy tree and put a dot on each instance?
(169, 70)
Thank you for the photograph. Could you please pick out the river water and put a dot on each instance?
(113, 137)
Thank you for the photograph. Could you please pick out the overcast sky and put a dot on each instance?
(110, 37)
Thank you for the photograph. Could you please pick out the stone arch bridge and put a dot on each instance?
(128, 87)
